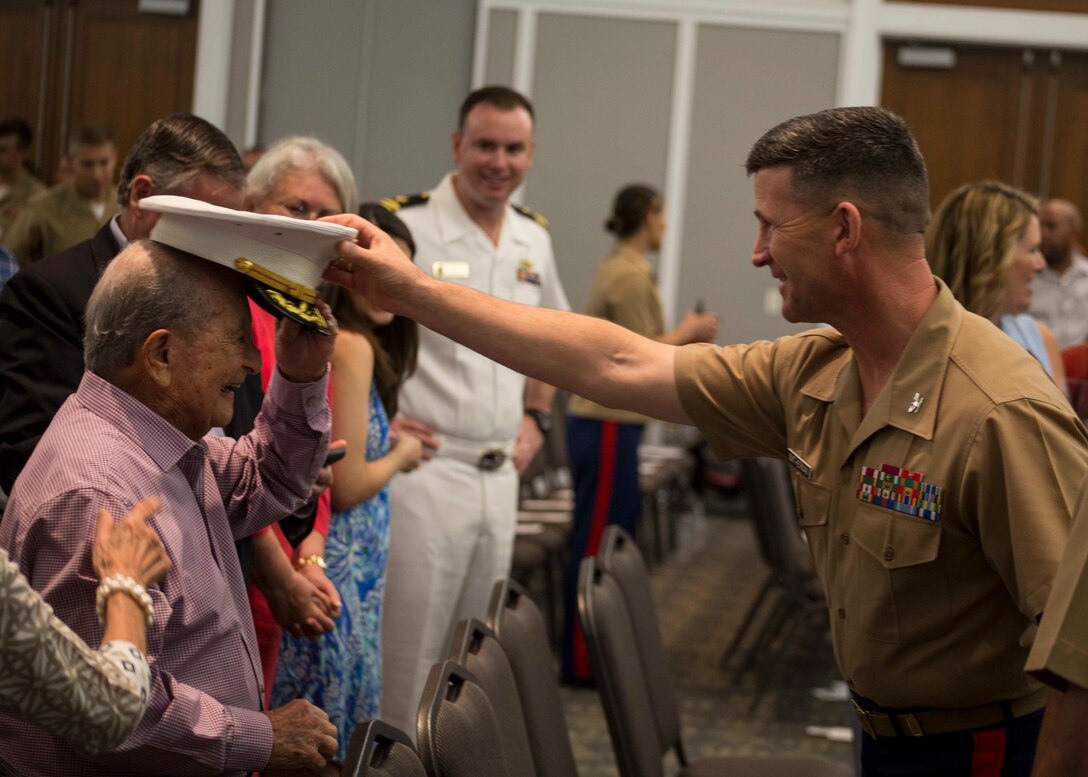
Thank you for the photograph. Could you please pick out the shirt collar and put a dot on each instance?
(455, 224)
(910, 399)
(149, 431)
(118, 235)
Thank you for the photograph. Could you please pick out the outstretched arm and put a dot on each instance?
(590, 357)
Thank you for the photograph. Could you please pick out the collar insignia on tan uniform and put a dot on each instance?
(916, 403)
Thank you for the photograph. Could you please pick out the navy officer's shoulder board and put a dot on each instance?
(529, 213)
(393, 204)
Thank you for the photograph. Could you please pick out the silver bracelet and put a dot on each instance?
(123, 584)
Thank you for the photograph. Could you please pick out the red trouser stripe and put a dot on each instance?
(989, 753)
(601, 506)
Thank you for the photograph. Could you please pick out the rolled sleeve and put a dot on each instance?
(729, 393)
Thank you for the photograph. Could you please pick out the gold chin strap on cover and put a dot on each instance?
(269, 278)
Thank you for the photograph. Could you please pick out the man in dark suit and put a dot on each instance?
(41, 308)
(42, 326)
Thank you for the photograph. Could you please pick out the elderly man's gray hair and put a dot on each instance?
(148, 286)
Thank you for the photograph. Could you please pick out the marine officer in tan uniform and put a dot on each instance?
(72, 211)
(935, 463)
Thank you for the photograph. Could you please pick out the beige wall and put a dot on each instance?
(746, 82)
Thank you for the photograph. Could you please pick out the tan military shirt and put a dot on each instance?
(625, 293)
(17, 196)
(54, 221)
(937, 521)
(1060, 653)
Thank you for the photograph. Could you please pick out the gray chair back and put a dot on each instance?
(620, 557)
(456, 727)
(617, 669)
(774, 513)
(521, 631)
(475, 647)
(380, 750)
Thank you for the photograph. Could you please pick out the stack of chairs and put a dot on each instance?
(493, 707)
(624, 644)
(665, 474)
(545, 521)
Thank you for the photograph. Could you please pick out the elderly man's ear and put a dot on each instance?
(159, 356)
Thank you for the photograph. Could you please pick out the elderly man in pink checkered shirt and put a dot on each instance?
(168, 341)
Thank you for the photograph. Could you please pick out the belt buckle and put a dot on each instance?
(863, 718)
(491, 460)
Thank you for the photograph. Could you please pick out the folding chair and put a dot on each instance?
(791, 582)
(475, 647)
(616, 659)
(521, 631)
(380, 750)
(456, 726)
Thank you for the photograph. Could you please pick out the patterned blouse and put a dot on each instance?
(53, 679)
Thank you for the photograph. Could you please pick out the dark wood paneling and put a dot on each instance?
(964, 119)
(1068, 168)
(28, 31)
(1017, 115)
(104, 63)
(132, 67)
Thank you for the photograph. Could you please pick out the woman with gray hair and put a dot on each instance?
(300, 177)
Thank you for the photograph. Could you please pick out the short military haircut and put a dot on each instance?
(171, 290)
(502, 97)
(861, 154)
(174, 150)
(20, 129)
(88, 135)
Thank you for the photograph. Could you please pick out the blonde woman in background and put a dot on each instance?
(984, 243)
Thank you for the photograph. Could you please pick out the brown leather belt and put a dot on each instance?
(944, 721)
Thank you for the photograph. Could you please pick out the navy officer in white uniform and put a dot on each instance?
(452, 521)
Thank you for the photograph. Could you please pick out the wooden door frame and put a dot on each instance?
(873, 21)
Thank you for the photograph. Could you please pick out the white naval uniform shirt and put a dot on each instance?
(454, 389)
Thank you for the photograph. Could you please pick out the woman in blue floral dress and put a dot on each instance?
(375, 351)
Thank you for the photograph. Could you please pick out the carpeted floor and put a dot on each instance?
(702, 592)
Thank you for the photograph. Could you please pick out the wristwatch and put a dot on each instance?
(543, 419)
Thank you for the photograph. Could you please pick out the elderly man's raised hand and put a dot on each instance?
(374, 266)
(301, 354)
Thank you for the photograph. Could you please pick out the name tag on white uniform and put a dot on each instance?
(456, 270)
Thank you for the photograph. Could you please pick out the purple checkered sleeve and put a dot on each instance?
(105, 449)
